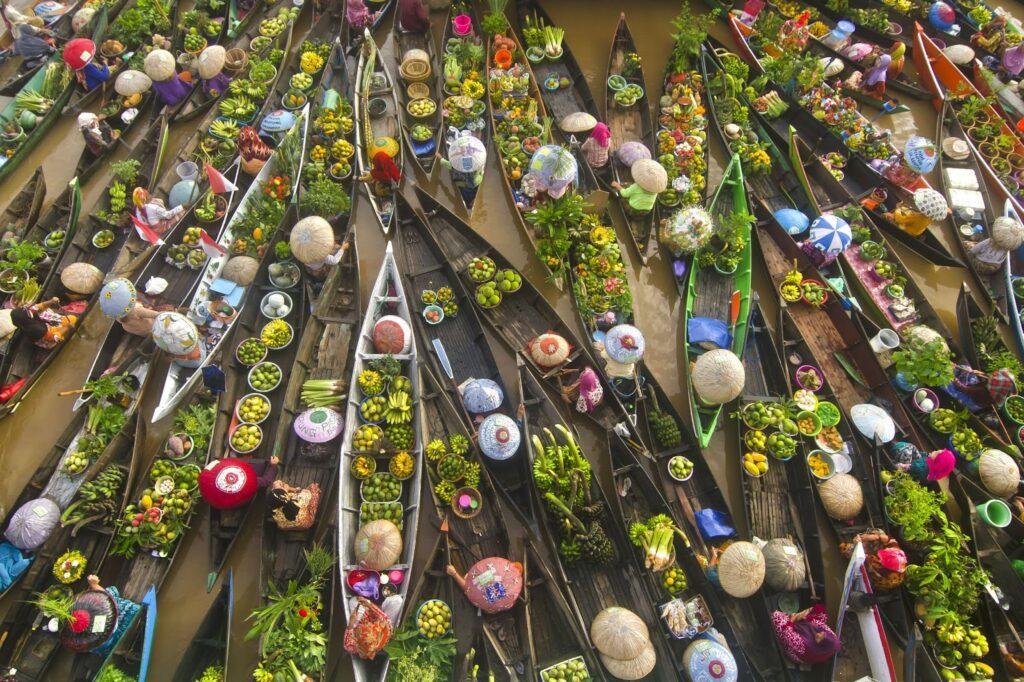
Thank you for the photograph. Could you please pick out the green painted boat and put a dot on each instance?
(710, 293)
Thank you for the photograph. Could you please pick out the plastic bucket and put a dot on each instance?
(885, 340)
(462, 25)
(995, 513)
(187, 170)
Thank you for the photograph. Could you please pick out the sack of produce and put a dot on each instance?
(32, 523)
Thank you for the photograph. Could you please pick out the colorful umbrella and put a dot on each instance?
(481, 396)
(117, 298)
(931, 203)
(941, 16)
(227, 483)
(920, 154)
(792, 220)
(549, 350)
(318, 425)
(466, 152)
(174, 333)
(830, 234)
(499, 437)
(493, 584)
(554, 167)
(624, 344)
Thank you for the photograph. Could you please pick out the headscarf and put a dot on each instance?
(356, 13)
(87, 119)
(876, 74)
(384, 169)
(897, 53)
(30, 324)
(816, 650)
(601, 134)
(940, 464)
(591, 391)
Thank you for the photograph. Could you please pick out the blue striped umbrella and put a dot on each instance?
(830, 234)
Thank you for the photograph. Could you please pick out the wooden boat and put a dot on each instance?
(375, 83)
(16, 71)
(379, 9)
(482, 132)
(1014, 269)
(884, 38)
(859, 179)
(946, 80)
(521, 317)
(779, 504)
(591, 587)
(225, 526)
(998, 608)
(509, 176)
(715, 295)
(61, 216)
(15, 151)
(180, 379)
(210, 644)
(24, 209)
(423, 153)
(25, 643)
(633, 124)
(386, 298)
(324, 351)
(472, 538)
(132, 653)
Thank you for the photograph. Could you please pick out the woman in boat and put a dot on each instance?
(413, 16)
(230, 483)
(171, 87)
(358, 16)
(153, 212)
(384, 175)
(44, 326)
(875, 76)
(80, 56)
(805, 637)
(598, 145)
(293, 508)
(32, 41)
(467, 156)
(588, 390)
(552, 171)
(211, 70)
(992, 35)
(98, 134)
(91, 618)
(649, 179)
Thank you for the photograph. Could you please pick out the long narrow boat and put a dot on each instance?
(225, 526)
(1014, 270)
(180, 379)
(592, 586)
(132, 653)
(27, 644)
(387, 297)
(374, 83)
(475, 535)
(779, 505)
(629, 124)
(946, 80)
(468, 60)
(425, 152)
(16, 70)
(62, 216)
(714, 295)
(379, 12)
(1001, 598)
(54, 81)
(23, 210)
(209, 647)
(325, 352)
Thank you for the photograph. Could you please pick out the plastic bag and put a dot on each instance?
(369, 630)
(33, 523)
(708, 333)
(714, 524)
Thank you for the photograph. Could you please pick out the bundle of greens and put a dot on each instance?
(656, 538)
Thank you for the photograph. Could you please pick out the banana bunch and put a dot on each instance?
(118, 197)
(95, 498)
(958, 645)
(399, 409)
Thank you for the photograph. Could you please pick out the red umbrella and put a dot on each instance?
(492, 585)
(227, 483)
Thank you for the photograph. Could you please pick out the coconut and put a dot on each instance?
(718, 376)
(741, 569)
(1007, 233)
(999, 473)
(241, 270)
(633, 669)
(842, 497)
(378, 545)
(82, 278)
(619, 633)
(784, 568)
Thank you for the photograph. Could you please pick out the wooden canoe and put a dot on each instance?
(379, 10)
(374, 82)
(633, 124)
(132, 653)
(711, 294)
(24, 209)
(388, 297)
(423, 153)
(212, 639)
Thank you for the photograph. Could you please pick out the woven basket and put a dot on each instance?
(417, 91)
(415, 66)
(236, 60)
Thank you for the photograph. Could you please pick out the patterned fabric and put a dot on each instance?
(794, 644)
(126, 612)
(1001, 385)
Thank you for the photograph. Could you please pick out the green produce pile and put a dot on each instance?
(573, 670)
(374, 511)
(95, 501)
(103, 422)
(160, 516)
(381, 487)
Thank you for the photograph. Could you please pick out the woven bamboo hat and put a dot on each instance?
(211, 61)
(650, 175)
(159, 65)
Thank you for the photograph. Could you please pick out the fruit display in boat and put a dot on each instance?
(193, 41)
(755, 464)
(508, 281)
(481, 269)
(401, 466)
(444, 294)
(192, 237)
(363, 467)
(251, 351)
(673, 580)
(400, 436)
(196, 258)
(488, 295)
(265, 376)
(367, 437)
(451, 468)
(276, 334)
(246, 437)
(781, 446)
(55, 239)
(421, 133)
(375, 511)
(573, 670)
(103, 239)
(381, 487)
(399, 408)
(401, 383)
(421, 108)
(370, 382)
(301, 81)
(253, 409)
(680, 467)
(373, 408)
(433, 618)
(428, 296)
(450, 308)
(342, 149)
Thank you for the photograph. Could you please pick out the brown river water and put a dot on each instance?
(26, 436)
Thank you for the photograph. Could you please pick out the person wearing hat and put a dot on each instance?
(467, 157)
(384, 174)
(991, 36)
(43, 326)
(97, 132)
(897, 59)
(32, 41)
(649, 179)
(125, 614)
(211, 70)
(413, 16)
(153, 212)
(875, 75)
(595, 149)
(80, 56)
(168, 84)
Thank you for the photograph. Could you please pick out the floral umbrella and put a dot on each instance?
(174, 333)
(553, 166)
(499, 437)
(481, 396)
(493, 584)
(625, 344)
(117, 298)
(830, 234)
(466, 152)
(318, 425)
(687, 230)
(931, 203)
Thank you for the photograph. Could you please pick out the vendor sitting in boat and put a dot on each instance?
(876, 70)
(413, 16)
(98, 134)
(552, 172)
(358, 16)
(80, 56)
(597, 146)
(467, 156)
(32, 41)
(992, 36)
(179, 337)
(211, 70)
(805, 637)
(171, 87)
(312, 243)
(384, 176)
(152, 211)
(99, 618)
(649, 179)
(929, 206)
(44, 324)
